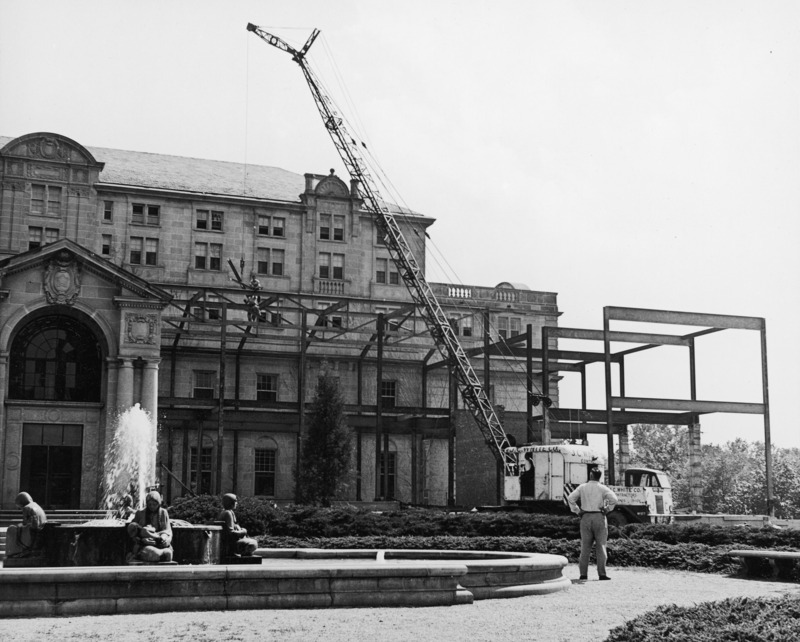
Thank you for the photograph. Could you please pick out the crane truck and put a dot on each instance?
(558, 468)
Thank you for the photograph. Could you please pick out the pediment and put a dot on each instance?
(64, 264)
(46, 146)
(332, 187)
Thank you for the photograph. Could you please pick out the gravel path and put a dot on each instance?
(584, 612)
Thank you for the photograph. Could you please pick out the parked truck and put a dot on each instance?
(545, 475)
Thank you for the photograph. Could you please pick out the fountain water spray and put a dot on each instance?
(130, 462)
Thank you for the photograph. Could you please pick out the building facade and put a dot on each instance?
(215, 295)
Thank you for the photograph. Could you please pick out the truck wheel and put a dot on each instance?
(617, 519)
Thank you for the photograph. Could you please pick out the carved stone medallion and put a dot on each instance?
(62, 279)
(141, 328)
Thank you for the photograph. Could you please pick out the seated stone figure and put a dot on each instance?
(151, 532)
(125, 511)
(234, 536)
(24, 540)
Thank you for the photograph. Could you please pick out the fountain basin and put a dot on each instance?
(103, 544)
(288, 578)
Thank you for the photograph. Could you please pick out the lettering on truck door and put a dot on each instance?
(556, 476)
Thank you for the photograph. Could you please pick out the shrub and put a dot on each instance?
(774, 619)
(257, 515)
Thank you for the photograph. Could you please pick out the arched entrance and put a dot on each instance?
(55, 360)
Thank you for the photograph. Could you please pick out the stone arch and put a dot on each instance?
(100, 325)
(56, 353)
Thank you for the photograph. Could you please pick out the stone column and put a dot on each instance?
(150, 387)
(3, 419)
(125, 385)
(695, 477)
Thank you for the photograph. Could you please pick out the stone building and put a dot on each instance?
(215, 294)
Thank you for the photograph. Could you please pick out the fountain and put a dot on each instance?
(290, 578)
(130, 461)
(129, 472)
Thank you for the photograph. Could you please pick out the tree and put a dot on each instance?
(325, 451)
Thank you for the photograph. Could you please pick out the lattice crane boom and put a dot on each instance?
(444, 336)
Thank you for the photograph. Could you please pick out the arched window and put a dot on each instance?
(55, 358)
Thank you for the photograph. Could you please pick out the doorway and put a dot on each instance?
(51, 464)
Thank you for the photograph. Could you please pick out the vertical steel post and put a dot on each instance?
(546, 432)
(609, 410)
(767, 435)
(529, 381)
(379, 488)
(221, 400)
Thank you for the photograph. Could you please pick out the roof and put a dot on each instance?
(203, 176)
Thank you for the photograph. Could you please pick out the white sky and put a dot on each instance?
(640, 154)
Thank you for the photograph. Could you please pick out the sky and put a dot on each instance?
(618, 153)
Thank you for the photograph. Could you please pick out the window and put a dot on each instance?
(215, 262)
(277, 262)
(151, 252)
(338, 266)
(208, 256)
(137, 243)
(55, 358)
(105, 248)
(325, 226)
(333, 320)
(388, 475)
(388, 394)
(200, 255)
(508, 327)
(204, 487)
(386, 272)
(324, 265)
(50, 235)
(262, 261)
(34, 237)
(267, 387)
(466, 326)
(271, 225)
(108, 210)
(205, 383)
(453, 321)
(146, 214)
(54, 200)
(338, 228)
(265, 266)
(37, 199)
(209, 220)
(264, 468)
(46, 199)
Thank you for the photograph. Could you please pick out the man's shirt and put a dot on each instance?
(593, 497)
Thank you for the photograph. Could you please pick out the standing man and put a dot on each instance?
(596, 500)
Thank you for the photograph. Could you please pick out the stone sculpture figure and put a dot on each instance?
(234, 536)
(24, 540)
(151, 532)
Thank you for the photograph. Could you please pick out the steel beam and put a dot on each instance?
(684, 318)
(688, 405)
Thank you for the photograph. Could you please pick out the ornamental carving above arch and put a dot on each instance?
(62, 279)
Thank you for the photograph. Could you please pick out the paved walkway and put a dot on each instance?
(584, 612)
